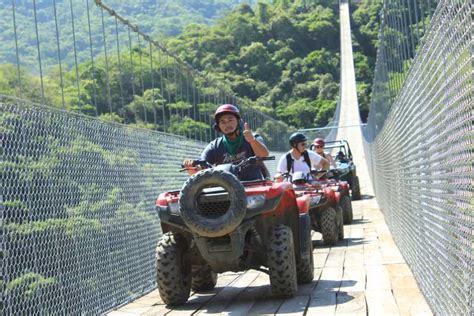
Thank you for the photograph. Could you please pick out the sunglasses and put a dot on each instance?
(317, 146)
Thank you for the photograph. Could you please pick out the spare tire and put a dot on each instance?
(213, 203)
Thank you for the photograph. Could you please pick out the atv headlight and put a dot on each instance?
(254, 201)
(174, 208)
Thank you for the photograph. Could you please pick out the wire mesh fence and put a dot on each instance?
(419, 145)
(78, 221)
(79, 227)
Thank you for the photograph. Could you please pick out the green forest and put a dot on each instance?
(281, 58)
(78, 208)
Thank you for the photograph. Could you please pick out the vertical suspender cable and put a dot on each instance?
(75, 51)
(410, 29)
(400, 43)
(417, 21)
(20, 92)
(59, 54)
(404, 30)
(92, 59)
(422, 17)
(176, 96)
(119, 61)
(429, 9)
(162, 92)
(141, 79)
(387, 48)
(109, 97)
(152, 73)
(167, 88)
(39, 53)
(392, 46)
(132, 79)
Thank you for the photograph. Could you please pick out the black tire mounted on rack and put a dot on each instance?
(225, 221)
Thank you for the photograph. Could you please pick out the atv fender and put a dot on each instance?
(330, 195)
(303, 204)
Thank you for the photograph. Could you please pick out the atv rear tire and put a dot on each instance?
(204, 225)
(355, 188)
(203, 278)
(305, 268)
(329, 226)
(346, 205)
(340, 222)
(173, 272)
(281, 262)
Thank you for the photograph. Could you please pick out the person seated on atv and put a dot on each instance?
(299, 159)
(237, 143)
(341, 157)
(318, 147)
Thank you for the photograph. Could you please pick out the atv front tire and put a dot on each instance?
(305, 267)
(329, 226)
(281, 262)
(173, 272)
(347, 209)
(203, 278)
(355, 188)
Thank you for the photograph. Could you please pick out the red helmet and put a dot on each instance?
(226, 109)
(319, 142)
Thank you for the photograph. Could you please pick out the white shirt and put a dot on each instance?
(299, 164)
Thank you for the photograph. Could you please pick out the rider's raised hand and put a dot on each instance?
(248, 135)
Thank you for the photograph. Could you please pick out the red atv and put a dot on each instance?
(325, 210)
(217, 223)
(330, 179)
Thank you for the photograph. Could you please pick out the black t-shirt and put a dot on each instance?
(216, 154)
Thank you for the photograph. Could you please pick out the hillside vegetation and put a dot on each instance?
(283, 58)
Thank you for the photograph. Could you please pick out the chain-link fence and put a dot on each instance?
(420, 148)
(79, 228)
(78, 221)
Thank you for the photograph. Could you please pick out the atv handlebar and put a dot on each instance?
(199, 164)
(317, 174)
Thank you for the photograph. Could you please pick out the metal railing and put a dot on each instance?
(419, 145)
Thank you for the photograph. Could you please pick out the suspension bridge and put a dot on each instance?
(78, 187)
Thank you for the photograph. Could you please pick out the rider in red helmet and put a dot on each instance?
(318, 147)
(237, 143)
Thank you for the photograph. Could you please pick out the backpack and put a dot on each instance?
(289, 160)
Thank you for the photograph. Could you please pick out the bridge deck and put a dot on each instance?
(363, 275)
